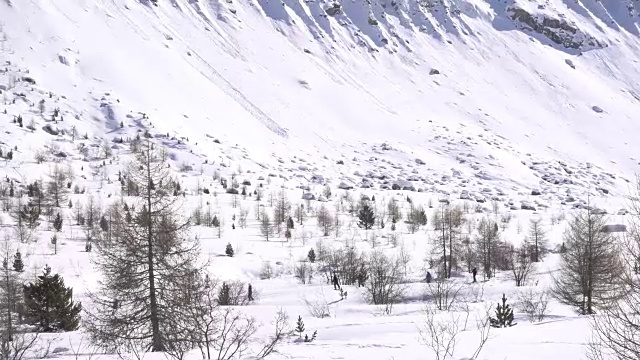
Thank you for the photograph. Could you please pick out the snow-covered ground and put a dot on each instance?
(525, 105)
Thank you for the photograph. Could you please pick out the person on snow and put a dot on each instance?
(474, 272)
(429, 277)
(336, 285)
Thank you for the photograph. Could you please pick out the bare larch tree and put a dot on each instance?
(617, 328)
(487, 243)
(537, 240)
(146, 266)
(591, 268)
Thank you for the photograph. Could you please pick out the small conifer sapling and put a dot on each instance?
(229, 250)
(504, 315)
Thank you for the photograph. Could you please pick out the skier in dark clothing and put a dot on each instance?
(474, 272)
(336, 285)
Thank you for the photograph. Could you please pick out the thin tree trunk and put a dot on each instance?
(10, 302)
(155, 321)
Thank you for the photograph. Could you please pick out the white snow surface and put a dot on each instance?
(278, 93)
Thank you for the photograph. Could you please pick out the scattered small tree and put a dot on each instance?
(311, 256)
(366, 217)
(57, 222)
(521, 265)
(537, 240)
(299, 326)
(265, 226)
(18, 265)
(229, 250)
(54, 242)
(504, 315)
(49, 304)
(325, 220)
(302, 272)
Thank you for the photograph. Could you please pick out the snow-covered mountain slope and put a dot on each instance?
(528, 103)
(501, 92)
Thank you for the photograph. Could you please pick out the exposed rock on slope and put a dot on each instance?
(558, 30)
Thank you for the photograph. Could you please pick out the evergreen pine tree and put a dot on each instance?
(104, 224)
(311, 256)
(49, 304)
(310, 339)
(224, 296)
(504, 315)
(299, 326)
(229, 250)
(57, 222)
(54, 242)
(18, 265)
(366, 217)
(215, 222)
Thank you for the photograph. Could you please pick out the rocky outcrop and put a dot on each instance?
(560, 31)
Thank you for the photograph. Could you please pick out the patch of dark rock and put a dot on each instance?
(50, 130)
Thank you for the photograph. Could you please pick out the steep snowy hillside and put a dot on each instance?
(506, 91)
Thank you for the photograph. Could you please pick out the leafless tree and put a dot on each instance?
(236, 331)
(616, 330)
(487, 243)
(537, 240)
(318, 306)
(282, 328)
(57, 186)
(469, 254)
(442, 334)
(300, 214)
(302, 272)
(443, 293)
(266, 228)
(591, 269)
(325, 220)
(282, 208)
(9, 295)
(22, 232)
(534, 303)
(521, 265)
(243, 213)
(147, 266)
(92, 212)
(393, 207)
(22, 346)
(447, 222)
(384, 285)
